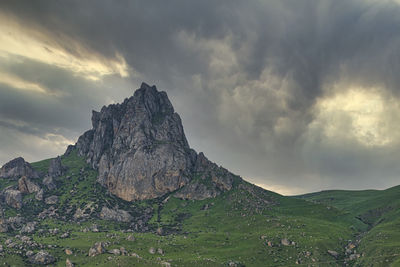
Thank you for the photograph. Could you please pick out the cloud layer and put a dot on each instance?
(296, 96)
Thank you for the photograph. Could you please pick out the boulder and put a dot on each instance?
(42, 257)
(13, 198)
(3, 225)
(97, 249)
(15, 222)
(130, 238)
(51, 200)
(196, 191)
(29, 227)
(115, 251)
(333, 253)
(69, 263)
(115, 215)
(152, 250)
(39, 195)
(25, 185)
(285, 242)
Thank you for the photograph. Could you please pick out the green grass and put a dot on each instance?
(380, 211)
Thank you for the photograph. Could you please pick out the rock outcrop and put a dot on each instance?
(17, 168)
(115, 215)
(140, 151)
(56, 169)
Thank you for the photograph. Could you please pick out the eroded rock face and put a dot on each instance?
(17, 168)
(141, 152)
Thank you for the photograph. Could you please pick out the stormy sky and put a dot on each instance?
(293, 95)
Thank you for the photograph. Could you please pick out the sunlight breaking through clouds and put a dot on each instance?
(16, 40)
(359, 113)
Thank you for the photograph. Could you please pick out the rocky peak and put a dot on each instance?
(140, 149)
(17, 168)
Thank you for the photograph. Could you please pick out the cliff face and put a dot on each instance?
(141, 152)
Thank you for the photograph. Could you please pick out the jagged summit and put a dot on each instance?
(140, 151)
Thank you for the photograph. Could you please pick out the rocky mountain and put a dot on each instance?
(131, 192)
(140, 151)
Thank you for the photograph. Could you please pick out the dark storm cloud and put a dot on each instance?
(246, 76)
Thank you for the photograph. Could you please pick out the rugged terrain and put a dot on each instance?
(131, 192)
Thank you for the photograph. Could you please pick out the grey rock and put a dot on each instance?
(69, 150)
(42, 257)
(48, 181)
(25, 238)
(29, 227)
(15, 222)
(17, 168)
(94, 228)
(196, 191)
(3, 225)
(353, 257)
(51, 200)
(152, 250)
(140, 150)
(54, 231)
(65, 235)
(285, 242)
(130, 238)
(97, 249)
(56, 169)
(333, 253)
(123, 251)
(39, 195)
(13, 198)
(115, 251)
(69, 263)
(25, 185)
(29, 253)
(115, 215)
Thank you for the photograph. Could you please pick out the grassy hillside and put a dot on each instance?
(380, 210)
(247, 226)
